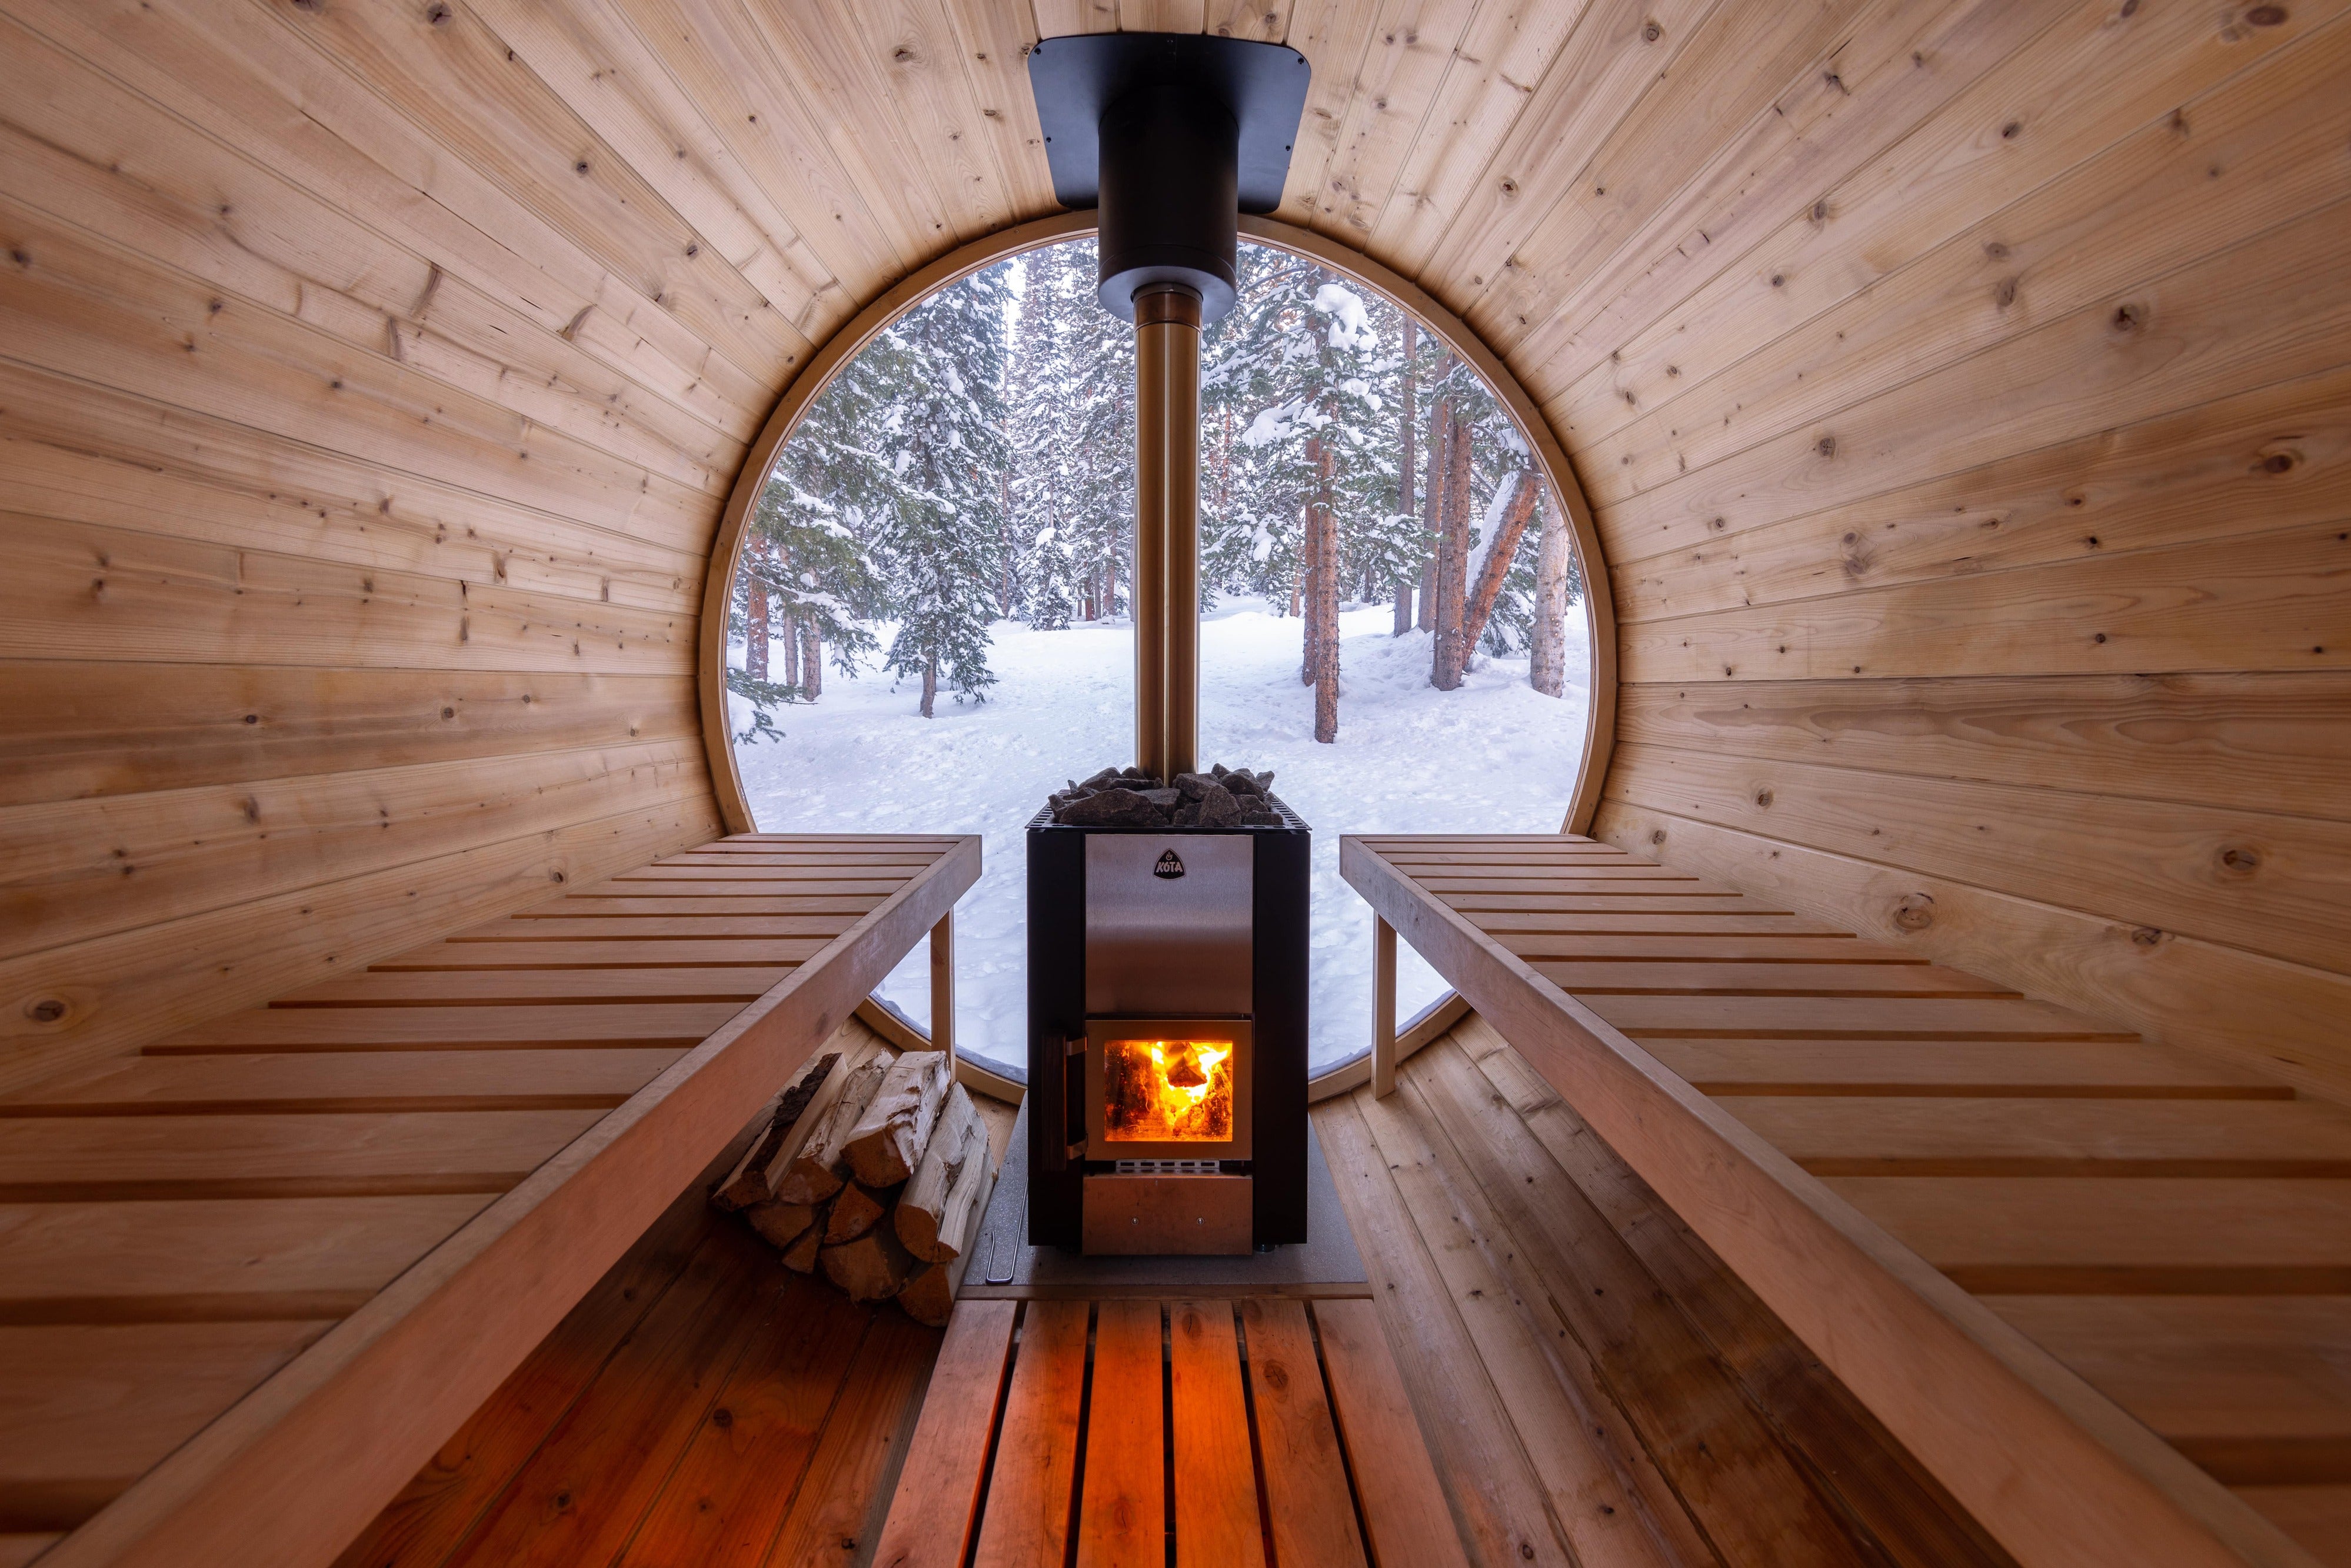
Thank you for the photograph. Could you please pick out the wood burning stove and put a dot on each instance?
(1167, 965)
(1167, 1036)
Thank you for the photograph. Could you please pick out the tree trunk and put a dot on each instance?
(930, 684)
(1324, 614)
(812, 681)
(1407, 432)
(1547, 650)
(1488, 589)
(1453, 555)
(1432, 510)
(1306, 594)
(755, 629)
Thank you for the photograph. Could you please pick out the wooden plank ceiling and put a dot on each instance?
(1963, 390)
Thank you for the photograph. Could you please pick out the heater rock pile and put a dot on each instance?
(877, 1174)
(1130, 797)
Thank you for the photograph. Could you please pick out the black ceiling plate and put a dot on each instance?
(1075, 78)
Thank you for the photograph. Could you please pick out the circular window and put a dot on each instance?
(929, 560)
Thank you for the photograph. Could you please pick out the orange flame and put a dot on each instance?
(1168, 1091)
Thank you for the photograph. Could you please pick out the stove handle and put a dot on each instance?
(1061, 1152)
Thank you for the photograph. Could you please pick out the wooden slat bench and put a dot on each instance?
(1092, 1432)
(251, 1278)
(2092, 1284)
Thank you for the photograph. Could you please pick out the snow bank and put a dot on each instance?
(1493, 756)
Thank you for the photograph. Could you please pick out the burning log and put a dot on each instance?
(922, 1207)
(820, 1167)
(754, 1177)
(873, 1268)
(889, 1139)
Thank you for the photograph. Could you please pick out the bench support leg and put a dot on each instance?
(1383, 1004)
(943, 984)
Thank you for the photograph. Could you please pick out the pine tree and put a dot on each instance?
(1303, 369)
(941, 439)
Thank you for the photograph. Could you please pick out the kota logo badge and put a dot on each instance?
(1168, 866)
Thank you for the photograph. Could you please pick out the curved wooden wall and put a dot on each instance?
(1960, 385)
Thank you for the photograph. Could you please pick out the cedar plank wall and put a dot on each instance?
(1963, 389)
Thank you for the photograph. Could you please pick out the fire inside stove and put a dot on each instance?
(1167, 1090)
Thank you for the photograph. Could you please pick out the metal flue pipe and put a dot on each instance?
(1167, 530)
(1174, 136)
(1168, 245)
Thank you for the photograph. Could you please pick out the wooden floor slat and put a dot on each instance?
(1028, 1491)
(1216, 1517)
(1122, 1503)
(1308, 1502)
(939, 1489)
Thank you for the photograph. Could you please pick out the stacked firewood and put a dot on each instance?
(877, 1174)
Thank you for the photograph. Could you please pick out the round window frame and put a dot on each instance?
(726, 552)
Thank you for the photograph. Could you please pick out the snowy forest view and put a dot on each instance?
(930, 622)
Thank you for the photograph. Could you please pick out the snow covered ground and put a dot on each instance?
(1493, 756)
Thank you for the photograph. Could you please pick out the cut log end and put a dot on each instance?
(818, 1170)
(889, 1138)
(873, 1268)
(855, 1211)
(753, 1179)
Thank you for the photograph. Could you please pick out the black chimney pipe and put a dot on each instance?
(1174, 136)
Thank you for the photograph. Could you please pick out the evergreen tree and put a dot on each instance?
(940, 442)
(1072, 442)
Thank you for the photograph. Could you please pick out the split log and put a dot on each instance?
(872, 1268)
(781, 1224)
(854, 1212)
(754, 1177)
(888, 1141)
(925, 1201)
(800, 1256)
(818, 1170)
(929, 1297)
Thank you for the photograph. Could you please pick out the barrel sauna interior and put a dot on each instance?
(1962, 394)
